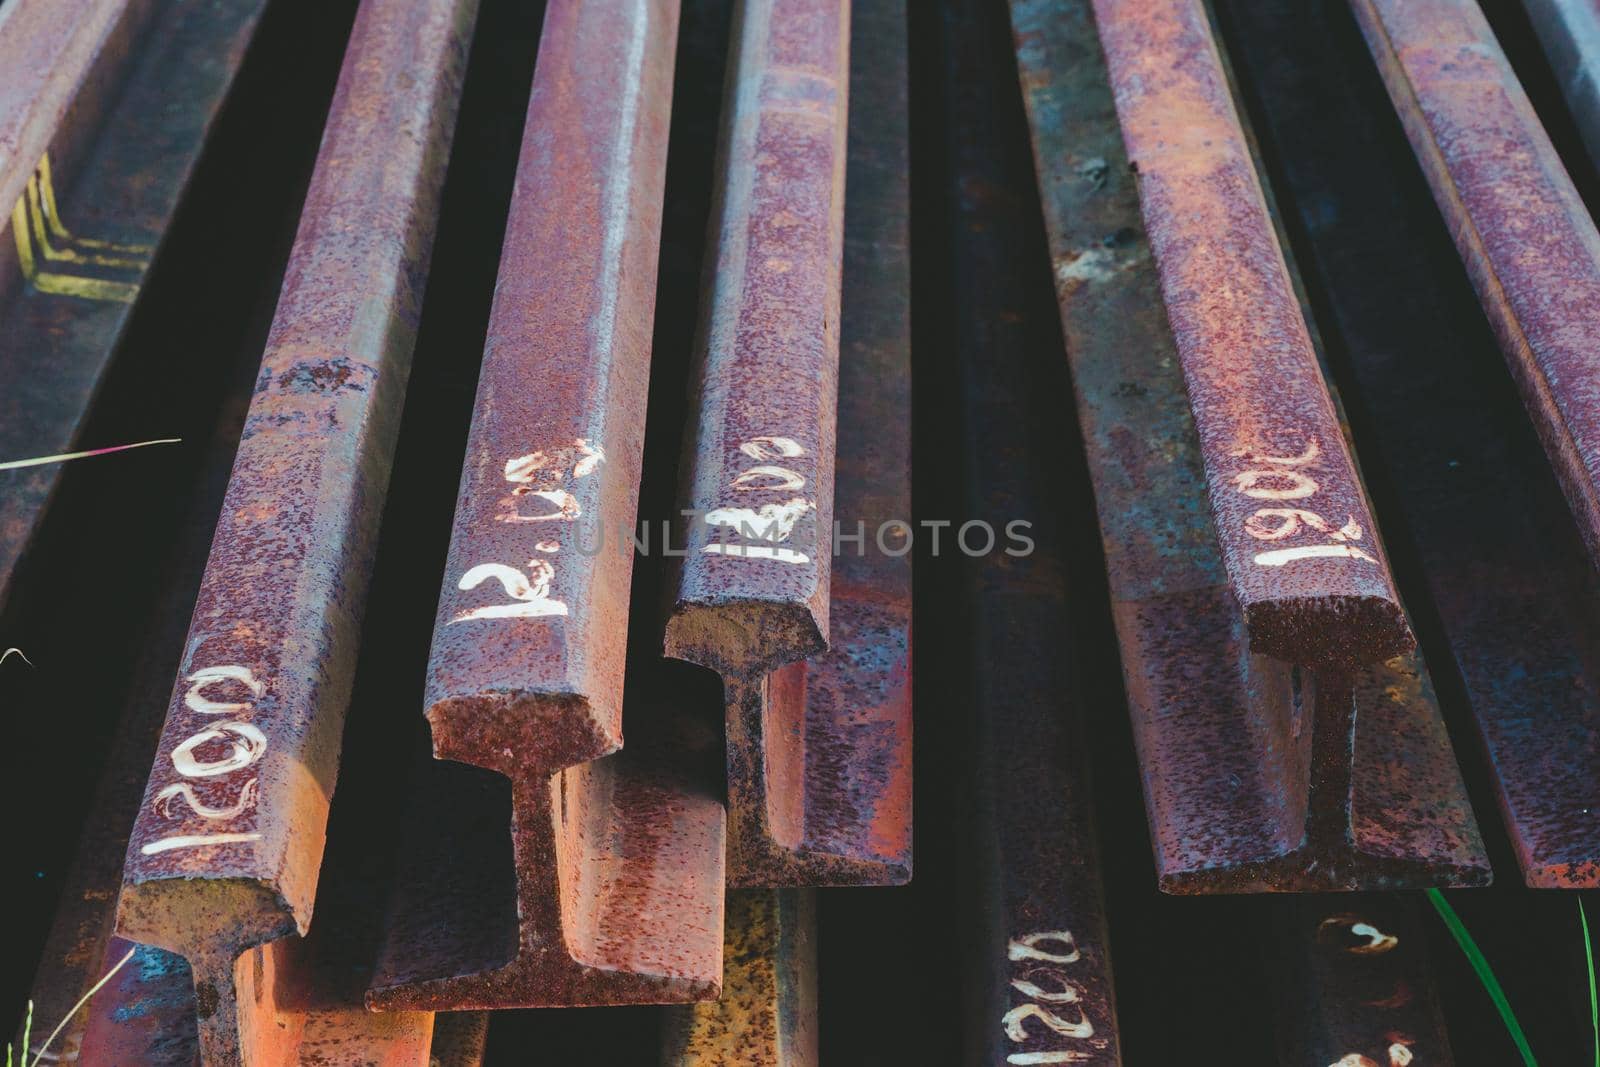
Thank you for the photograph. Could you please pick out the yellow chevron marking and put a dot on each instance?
(34, 217)
(52, 217)
(68, 255)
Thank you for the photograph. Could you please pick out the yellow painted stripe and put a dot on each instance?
(52, 217)
(54, 283)
(19, 230)
(86, 288)
(67, 255)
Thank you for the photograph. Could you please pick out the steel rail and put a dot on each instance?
(223, 863)
(1298, 539)
(617, 859)
(1258, 775)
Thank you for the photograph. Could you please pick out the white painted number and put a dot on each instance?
(760, 532)
(540, 493)
(1043, 981)
(246, 744)
(1276, 478)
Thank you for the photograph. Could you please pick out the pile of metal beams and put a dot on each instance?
(430, 463)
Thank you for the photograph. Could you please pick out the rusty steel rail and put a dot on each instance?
(612, 896)
(1505, 569)
(1257, 775)
(843, 815)
(100, 133)
(223, 862)
(1298, 539)
(767, 1015)
(64, 62)
(1354, 984)
(1569, 31)
(753, 592)
(1520, 227)
(618, 863)
(1036, 960)
(459, 1039)
(146, 1014)
(835, 809)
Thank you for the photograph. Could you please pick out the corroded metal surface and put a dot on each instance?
(1569, 30)
(818, 753)
(1037, 967)
(91, 200)
(1297, 536)
(1257, 776)
(1528, 242)
(459, 1038)
(1355, 988)
(63, 60)
(608, 891)
(767, 1015)
(1505, 569)
(146, 1014)
(222, 865)
(618, 863)
(752, 594)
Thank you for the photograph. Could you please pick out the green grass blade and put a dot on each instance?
(39, 461)
(1491, 984)
(1594, 1002)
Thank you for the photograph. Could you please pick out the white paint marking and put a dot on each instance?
(164, 799)
(782, 479)
(533, 593)
(207, 676)
(1025, 948)
(772, 448)
(1280, 557)
(246, 745)
(167, 844)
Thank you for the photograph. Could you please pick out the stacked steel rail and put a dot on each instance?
(1528, 242)
(104, 110)
(1259, 774)
(1286, 726)
(1505, 569)
(1037, 969)
(617, 855)
(222, 867)
(1533, 255)
(767, 1014)
(818, 733)
(1298, 539)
